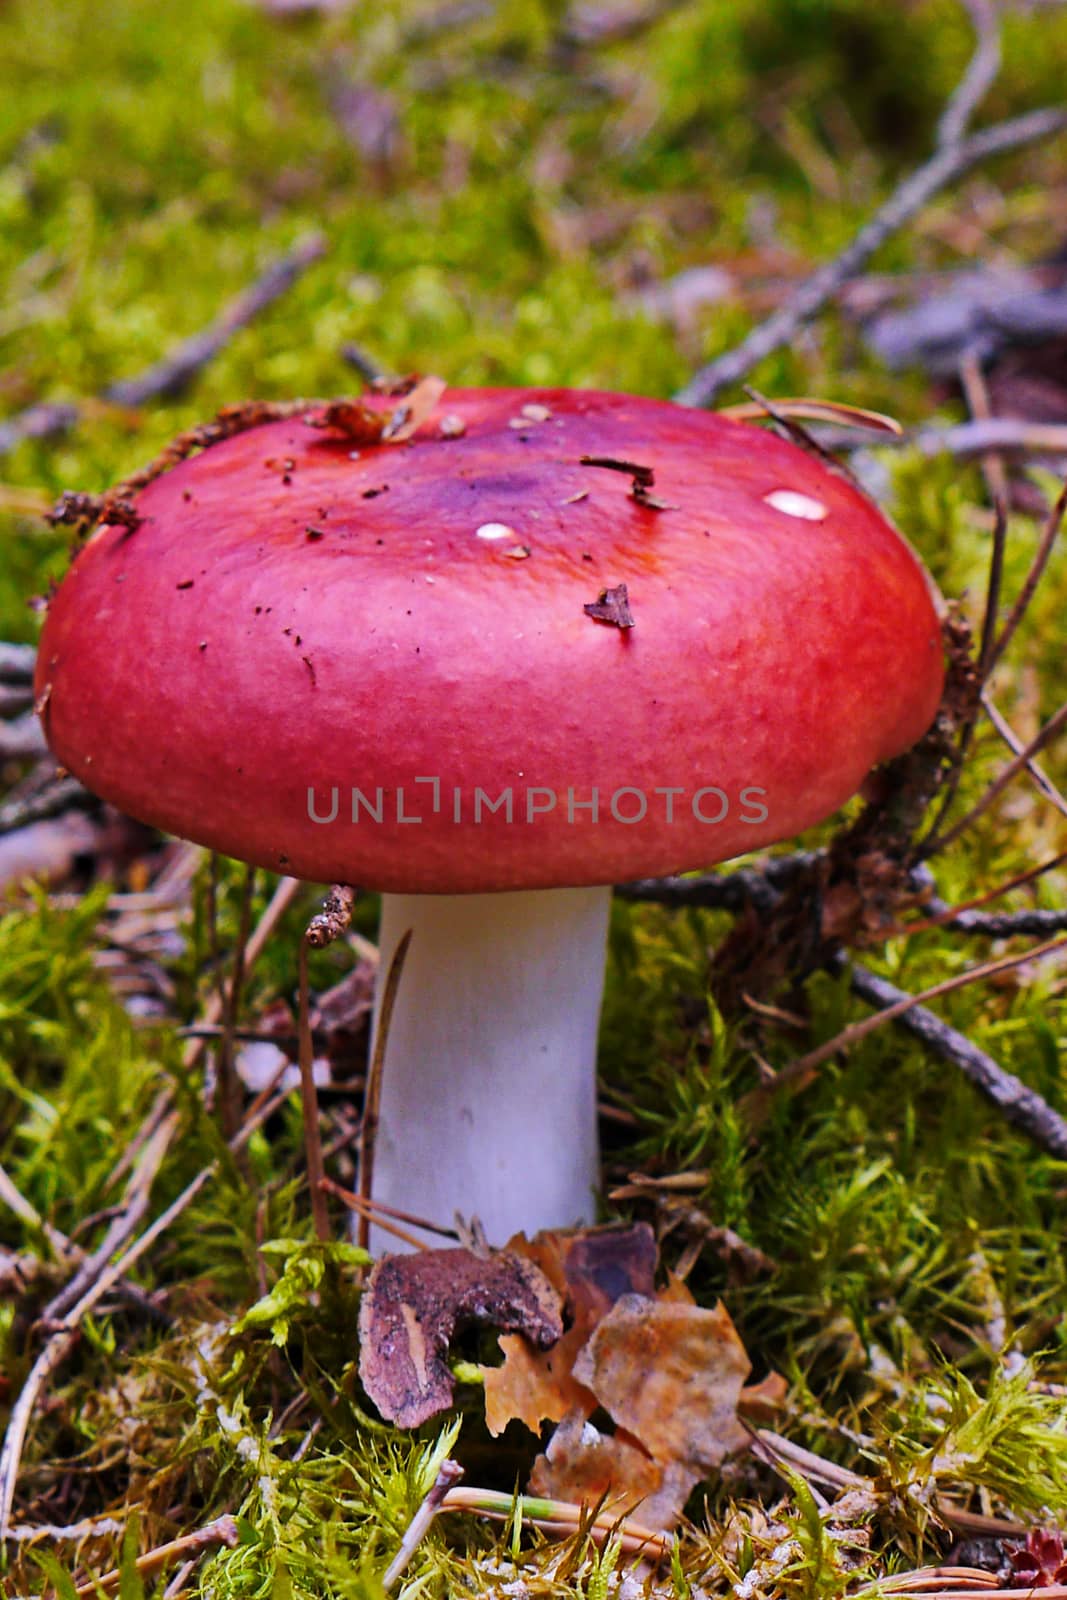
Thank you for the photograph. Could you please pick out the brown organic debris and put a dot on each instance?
(669, 1374)
(643, 479)
(334, 918)
(590, 1269)
(611, 606)
(360, 423)
(414, 1304)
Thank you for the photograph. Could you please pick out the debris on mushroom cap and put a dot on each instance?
(777, 657)
(612, 606)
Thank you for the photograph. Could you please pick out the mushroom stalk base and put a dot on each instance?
(488, 1102)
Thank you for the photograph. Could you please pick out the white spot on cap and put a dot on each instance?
(495, 530)
(794, 504)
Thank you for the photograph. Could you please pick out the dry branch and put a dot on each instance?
(1017, 747)
(1045, 736)
(1023, 1107)
(63, 1339)
(1020, 1105)
(223, 1531)
(948, 163)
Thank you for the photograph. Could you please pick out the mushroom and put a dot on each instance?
(569, 639)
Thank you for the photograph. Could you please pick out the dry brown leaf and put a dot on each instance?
(588, 1467)
(760, 1403)
(412, 411)
(590, 1269)
(534, 1386)
(412, 1306)
(672, 1375)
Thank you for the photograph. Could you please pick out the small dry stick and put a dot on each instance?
(947, 164)
(1044, 737)
(1015, 745)
(65, 794)
(368, 1211)
(223, 1531)
(1017, 1103)
(309, 1101)
(62, 1341)
(561, 1517)
(373, 1097)
(959, 917)
(228, 1089)
(976, 393)
(287, 891)
(63, 1338)
(124, 1225)
(1050, 1591)
(330, 923)
(799, 1073)
(975, 438)
(808, 1463)
(979, 78)
(448, 1474)
(1049, 535)
(936, 1578)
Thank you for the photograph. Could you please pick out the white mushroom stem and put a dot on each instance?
(488, 1103)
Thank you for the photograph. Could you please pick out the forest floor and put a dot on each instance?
(518, 193)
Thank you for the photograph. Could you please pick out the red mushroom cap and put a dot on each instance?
(295, 620)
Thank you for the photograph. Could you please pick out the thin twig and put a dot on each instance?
(974, 387)
(935, 842)
(224, 1531)
(948, 163)
(966, 918)
(63, 1339)
(1020, 1105)
(979, 78)
(373, 1098)
(757, 886)
(1016, 746)
(561, 1517)
(227, 1082)
(283, 897)
(171, 375)
(329, 924)
(174, 373)
(309, 1101)
(937, 1577)
(1004, 924)
(65, 794)
(17, 662)
(125, 1224)
(1049, 534)
(449, 1474)
(370, 1211)
(799, 1073)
